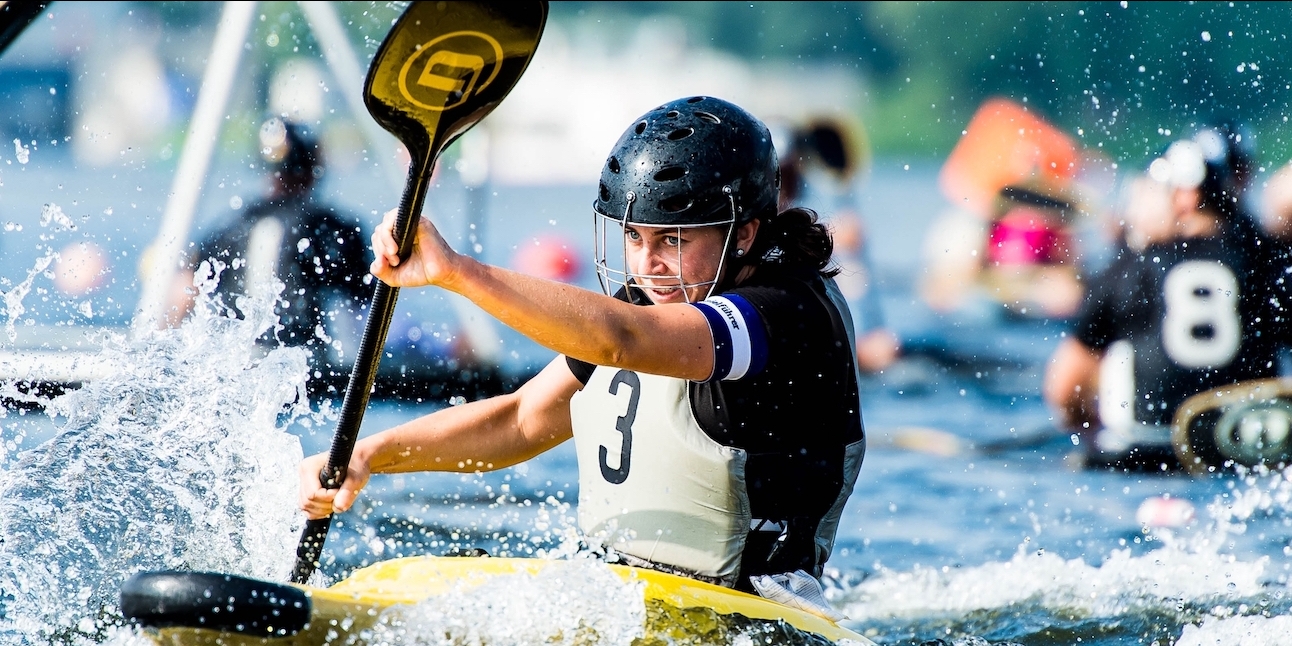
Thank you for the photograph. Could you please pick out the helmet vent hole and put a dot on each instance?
(641, 127)
(673, 114)
(695, 99)
(680, 133)
(707, 117)
(613, 165)
(675, 204)
(605, 193)
(671, 173)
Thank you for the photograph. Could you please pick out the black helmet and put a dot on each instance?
(291, 149)
(1230, 154)
(1213, 161)
(825, 142)
(691, 162)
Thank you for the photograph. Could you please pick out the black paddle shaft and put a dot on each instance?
(15, 16)
(364, 373)
(440, 70)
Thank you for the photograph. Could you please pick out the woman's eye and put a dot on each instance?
(632, 235)
(672, 241)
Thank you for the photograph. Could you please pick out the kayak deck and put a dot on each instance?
(678, 609)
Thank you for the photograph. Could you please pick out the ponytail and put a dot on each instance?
(795, 237)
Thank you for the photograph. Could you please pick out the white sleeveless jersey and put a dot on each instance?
(652, 484)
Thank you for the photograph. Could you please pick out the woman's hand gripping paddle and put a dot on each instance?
(441, 69)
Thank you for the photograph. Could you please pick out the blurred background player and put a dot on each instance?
(290, 235)
(1185, 308)
(1011, 181)
(820, 169)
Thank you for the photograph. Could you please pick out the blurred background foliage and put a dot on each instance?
(1125, 77)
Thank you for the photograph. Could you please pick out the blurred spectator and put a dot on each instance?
(1007, 237)
(1187, 307)
(1277, 203)
(1275, 218)
(819, 170)
(291, 236)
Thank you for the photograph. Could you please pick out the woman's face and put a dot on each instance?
(659, 255)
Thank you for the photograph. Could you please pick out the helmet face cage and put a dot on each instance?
(694, 162)
(605, 260)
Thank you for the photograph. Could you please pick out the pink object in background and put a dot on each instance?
(81, 267)
(550, 257)
(1025, 236)
(1164, 511)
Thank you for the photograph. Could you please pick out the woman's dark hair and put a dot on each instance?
(794, 237)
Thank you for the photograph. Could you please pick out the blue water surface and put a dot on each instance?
(969, 521)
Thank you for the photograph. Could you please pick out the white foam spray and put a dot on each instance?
(178, 460)
(13, 297)
(571, 602)
(1195, 575)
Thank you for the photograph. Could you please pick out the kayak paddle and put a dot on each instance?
(440, 70)
(15, 16)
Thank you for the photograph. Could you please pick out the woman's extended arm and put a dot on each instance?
(480, 436)
(670, 340)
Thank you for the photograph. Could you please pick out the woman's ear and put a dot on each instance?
(745, 234)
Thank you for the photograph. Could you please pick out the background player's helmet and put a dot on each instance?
(1230, 152)
(693, 162)
(1214, 161)
(290, 149)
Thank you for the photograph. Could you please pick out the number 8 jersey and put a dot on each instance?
(1198, 313)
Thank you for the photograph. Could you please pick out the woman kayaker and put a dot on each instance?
(712, 394)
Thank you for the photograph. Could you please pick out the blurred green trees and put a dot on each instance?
(1126, 76)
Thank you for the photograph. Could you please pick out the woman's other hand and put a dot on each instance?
(320, 502)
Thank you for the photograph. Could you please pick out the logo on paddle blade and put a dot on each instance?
(445, 72)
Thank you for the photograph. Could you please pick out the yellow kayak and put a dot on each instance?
(202, 608)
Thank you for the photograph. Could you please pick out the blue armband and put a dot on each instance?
(739, 341)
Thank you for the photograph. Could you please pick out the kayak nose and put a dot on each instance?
(222, 602)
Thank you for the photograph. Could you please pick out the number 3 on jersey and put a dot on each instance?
(1201, 327)
(624, 424)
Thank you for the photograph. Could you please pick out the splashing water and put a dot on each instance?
(13, 307)
(178, 460)
(53, 214)
(575, 602)
(1192, 580)
(20, 151)
(1238, 631)
(582, 603)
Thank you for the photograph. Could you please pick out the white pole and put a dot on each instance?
(194, 161)
(341, 58)
(344, 63)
